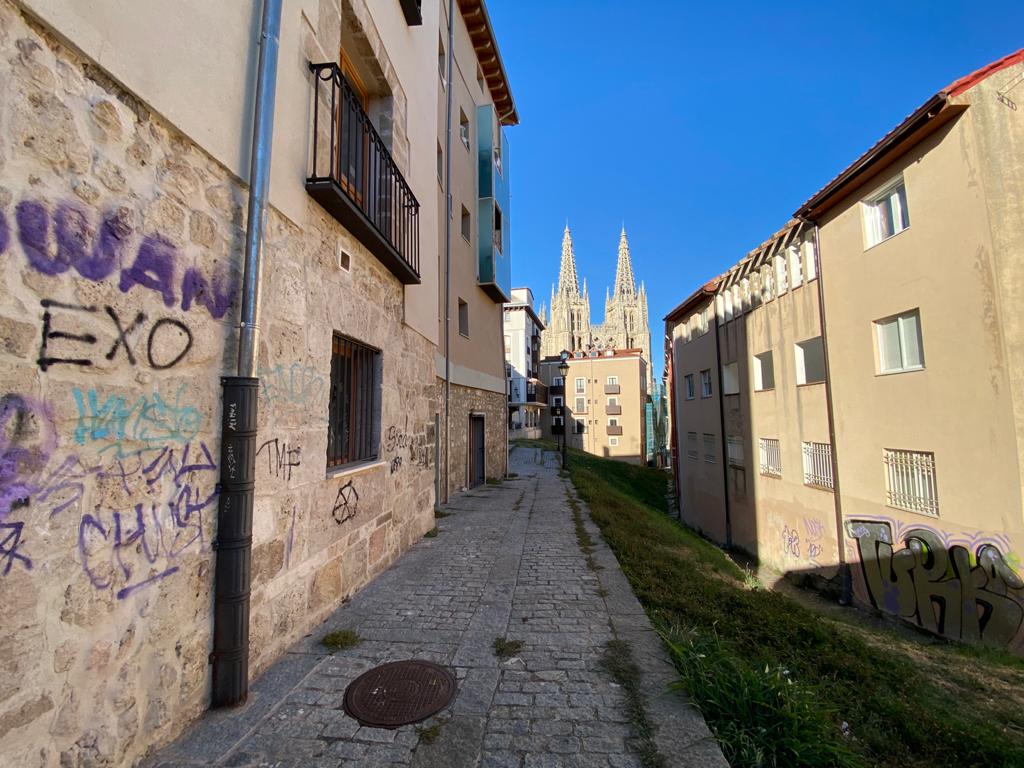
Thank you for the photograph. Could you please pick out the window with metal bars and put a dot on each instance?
(354, 414)
(818, 465)
(771, 456)
(910, 481)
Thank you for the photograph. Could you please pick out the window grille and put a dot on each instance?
(691, 445)
(354, 403)
(709, 448)
(771, 457)
(734, 446)
(910, 481)
(818, 465)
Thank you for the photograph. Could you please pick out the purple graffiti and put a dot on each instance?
(72, 240)
(5, 233)
(9, 545)
(27, 439)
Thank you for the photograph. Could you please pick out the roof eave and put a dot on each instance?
(481, 33)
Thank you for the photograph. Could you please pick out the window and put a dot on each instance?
(810, 361)
(557, 402)
(581, 427)
(556, 421)
(910, 481)
(885, 213)
(613, 401)
(691, 445)
(353, 427)
(818, 465)
(730, 379)
(688, 380)
(704, 315)
(464, 318)
(497, 228)
(581, 405)
(734, 448)
(581, 385)
(613, 442)
(810, 258)
(467, 225)
(771, 457)
(796, 272)
(709, 448)
(464, 128)
(613, 422)
(764, 371)
(899, 343)
(557, 381)
(613, 381)
(705, 383)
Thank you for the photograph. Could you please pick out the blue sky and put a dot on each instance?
(704, 125)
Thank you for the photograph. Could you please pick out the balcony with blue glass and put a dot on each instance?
(494, 250)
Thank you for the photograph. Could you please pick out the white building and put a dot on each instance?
(527, 396)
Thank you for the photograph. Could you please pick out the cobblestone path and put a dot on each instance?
(506, 563)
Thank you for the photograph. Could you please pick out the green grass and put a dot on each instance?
(618, 662)
(782, 685)
(340, 639)
(506, 649)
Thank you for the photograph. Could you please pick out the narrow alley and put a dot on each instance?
(505, 563)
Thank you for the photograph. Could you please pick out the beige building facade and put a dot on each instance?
(122, 221)
(895, 401)
(599, 406)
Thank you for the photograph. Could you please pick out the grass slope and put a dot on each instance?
(782, 685)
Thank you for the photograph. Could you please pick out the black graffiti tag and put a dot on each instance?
(346, 503)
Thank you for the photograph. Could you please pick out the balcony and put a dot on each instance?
(537, 393)
(494, 263)
(614, 430)
(355, 179)
(613, 410)
(611, 389)
(557, 429)
(556, 389)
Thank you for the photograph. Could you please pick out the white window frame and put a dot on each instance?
(910, 481)
(557, 381)
(558, 402)
(759, 370)
(613, 400)
(613, 442)
(580, 386)
(613, 381)
(706, 390)
(576, 405)
(871, 208)
(771, 456)
(730, 380)
(690, 390)
(901, 334)
(799, 354)
(818, 465)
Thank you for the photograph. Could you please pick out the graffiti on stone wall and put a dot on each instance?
(281, 457)
(166, 344)
(127, 550)
(346, 503)
(125, 424)
(939, 582)
(297, 386)
(70, 238)
(414, 447)
(814, 532)
(791, 542)
(27, 440)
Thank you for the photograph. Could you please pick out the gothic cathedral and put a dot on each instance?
(625, 311)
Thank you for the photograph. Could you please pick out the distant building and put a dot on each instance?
(600, 406)
(848, 399)
(625, 323)
(656, 415)
(527, 395)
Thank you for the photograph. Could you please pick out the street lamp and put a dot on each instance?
(563, 370)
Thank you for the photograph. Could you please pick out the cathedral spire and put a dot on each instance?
(625, 285)
(567, 282)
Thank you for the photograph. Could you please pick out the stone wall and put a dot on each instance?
(120, 246)
(464, 402)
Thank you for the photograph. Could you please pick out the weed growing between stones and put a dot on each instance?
(431, 534)
(618, 662)
(340, 639)
(438, 514)
(506, 649)
(429, 734)
(582, 535)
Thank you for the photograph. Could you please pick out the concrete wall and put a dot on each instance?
(121, 246)
(962, 405)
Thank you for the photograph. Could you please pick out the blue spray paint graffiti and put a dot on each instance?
(129, 426)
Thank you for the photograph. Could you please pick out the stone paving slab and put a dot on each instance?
(506, 564)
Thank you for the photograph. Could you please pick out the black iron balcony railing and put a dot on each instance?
(537, 393)
(556, 389)
(355, 178)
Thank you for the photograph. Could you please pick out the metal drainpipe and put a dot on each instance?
(845, 576)
(725, 452)
(230, 656)
(448, 255)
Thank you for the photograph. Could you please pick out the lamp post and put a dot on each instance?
(563, 370)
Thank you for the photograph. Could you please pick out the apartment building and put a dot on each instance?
(874, 343)
(527, 394)
(166, 535)
(599, 407)
(474, 249)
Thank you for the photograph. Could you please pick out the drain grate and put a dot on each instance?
(399, 693)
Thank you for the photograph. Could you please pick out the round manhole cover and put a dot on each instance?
(399, 693)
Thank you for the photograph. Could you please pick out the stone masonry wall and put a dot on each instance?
(464, 402)
(120, 250)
